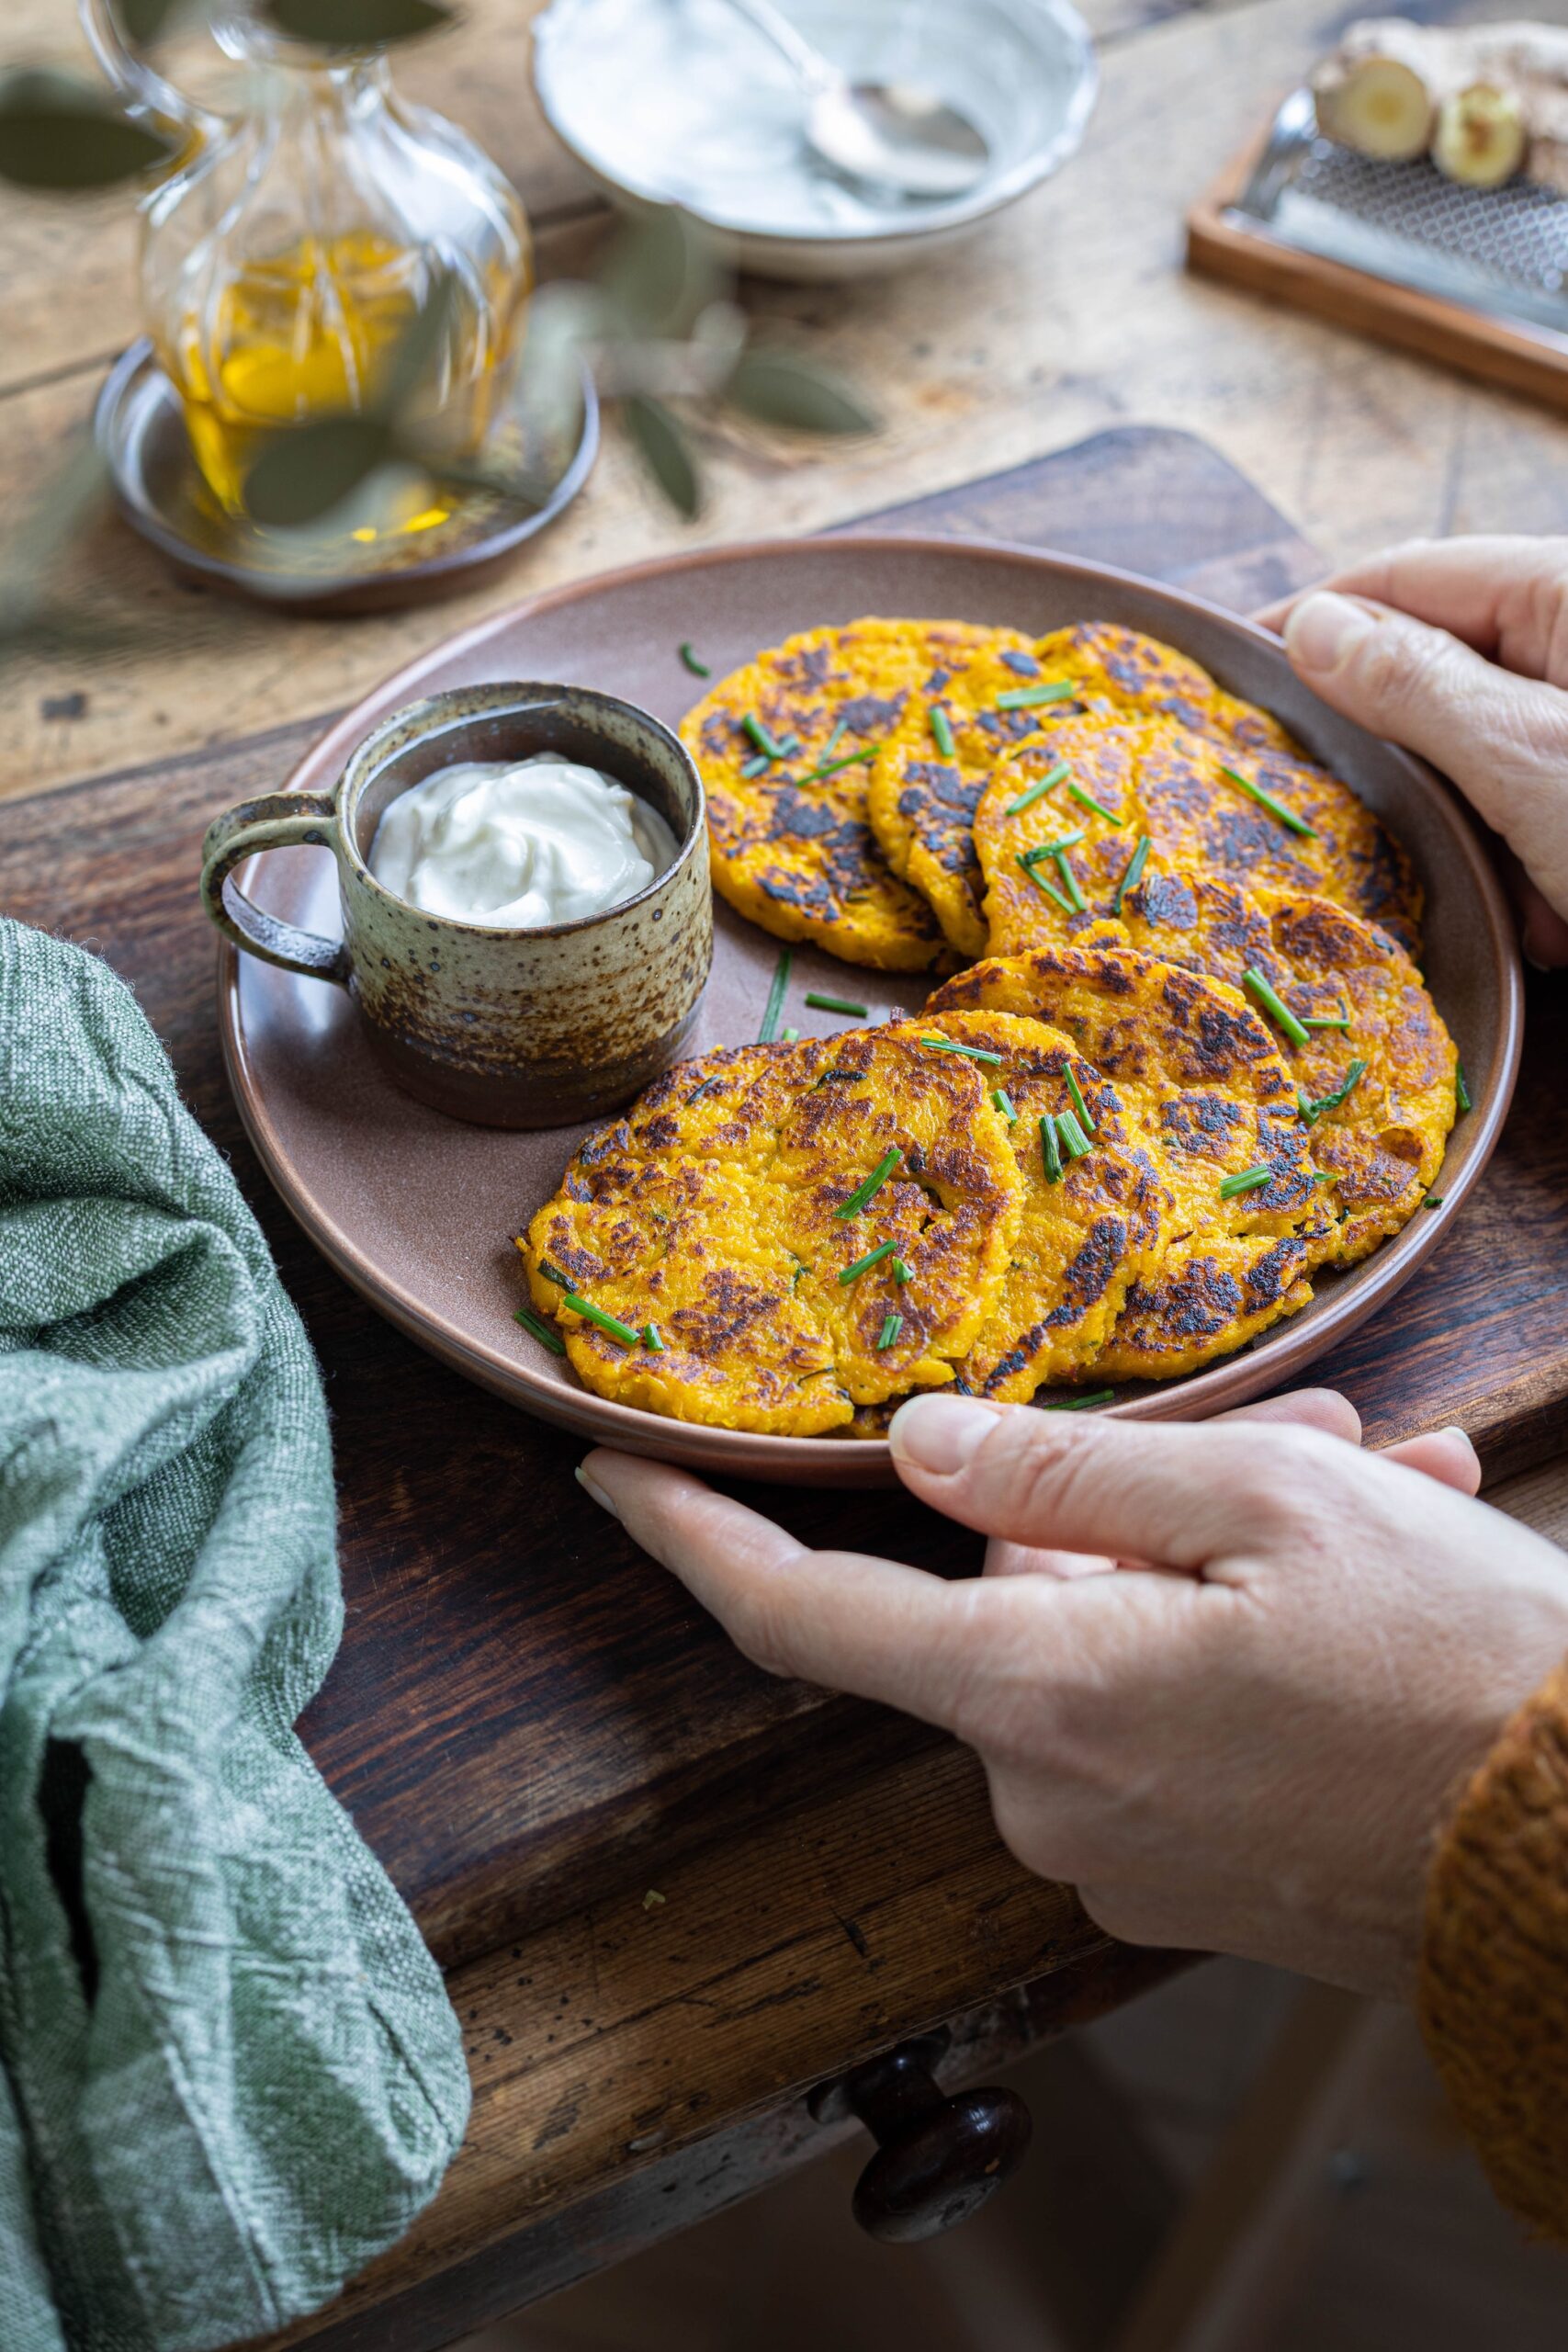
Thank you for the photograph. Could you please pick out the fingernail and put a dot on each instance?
(590, 1486)
(1453, 1430)
(1325, 630)
(940, 1434)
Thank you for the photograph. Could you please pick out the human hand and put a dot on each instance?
(1457, 649)
(1240, 1735)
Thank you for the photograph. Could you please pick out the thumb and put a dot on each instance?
(1176, 1496)
(1503, 738)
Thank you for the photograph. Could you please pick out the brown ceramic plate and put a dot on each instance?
(416, 1211)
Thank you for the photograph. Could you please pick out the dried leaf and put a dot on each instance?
(663, 449)
(59, 133)
(356, 24)
(310, 469)
(661, 274)
(779, 388)
(414, 355)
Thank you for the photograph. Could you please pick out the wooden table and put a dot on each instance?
(829, 1879)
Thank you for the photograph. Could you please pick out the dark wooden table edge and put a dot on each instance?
(751, 2151)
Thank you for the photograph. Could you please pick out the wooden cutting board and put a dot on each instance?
(525, 1712)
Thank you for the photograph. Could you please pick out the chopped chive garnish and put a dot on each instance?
(831, 767)
(873, 1185)
(1075, 1143)
(1087, 800)
(1043, 850)
(1248, 1181)
(756, 766)
(1462, 1091)
(891, 1327)
(651, 1339)
(952, 1045)
(1266, 800)
(776, 994)
(611, 1323)
(1275, 1006)
(553, 1274)
(540, 1331)
(698, 668)
(1049, 888)
(1076, 899)
(1051, 1150)
(901, 1273)
(1311, 1111)
(942, 731)
(1079, 1105)
(1003, 1102)
(1029, 697)
(762, 737)
(1134, 874)
(873, 1258)
(1077, 1404)
(1037, 790)
(705, 1088)
(1324, 1020)
(835, 1004)
(1433, 1201)
(835, 739)
(792, 1037)
(1324, 1176)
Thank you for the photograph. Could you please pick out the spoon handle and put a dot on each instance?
(808, 61)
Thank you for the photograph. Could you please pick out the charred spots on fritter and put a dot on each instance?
(871, 714)
(661, 1132)
(1195, 1302)
(1200, 1125)
(1012, 726)
(1166, 899)
(1092, 1270)
(1269, 1276)
(811, 666)
(1022, 665)
(1383, 885)
(1177, 778)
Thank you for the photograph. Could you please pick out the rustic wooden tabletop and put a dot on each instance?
(667, 2041)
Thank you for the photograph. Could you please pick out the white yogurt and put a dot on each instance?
(518, 844)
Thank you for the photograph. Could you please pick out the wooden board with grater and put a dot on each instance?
(1477, 277)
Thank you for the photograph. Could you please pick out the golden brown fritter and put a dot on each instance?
(791, 848)
(1158, 780)
(1391, 1066)
(1196, 1068)
(922, 799)
(1086, 1232)
(711, 1211)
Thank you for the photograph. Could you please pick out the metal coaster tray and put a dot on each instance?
(1477, 279)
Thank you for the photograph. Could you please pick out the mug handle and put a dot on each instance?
(277, 820)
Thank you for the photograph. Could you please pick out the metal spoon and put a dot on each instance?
(893, 135)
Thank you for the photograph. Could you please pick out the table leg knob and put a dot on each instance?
(939, 2157)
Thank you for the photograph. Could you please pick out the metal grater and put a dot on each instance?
(1503, 251)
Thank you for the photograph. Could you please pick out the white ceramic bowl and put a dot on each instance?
(657, 111)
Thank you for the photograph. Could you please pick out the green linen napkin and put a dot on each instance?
(229, 2071)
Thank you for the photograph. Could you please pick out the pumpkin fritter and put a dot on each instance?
(922, 800)
(794, 851)
(1197, 1071)
(1156, 779)
(1084, 1236)
(1378, 1094)
(710, 1212)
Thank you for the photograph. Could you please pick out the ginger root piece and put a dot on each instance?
(1381, 90)
(1481, 137)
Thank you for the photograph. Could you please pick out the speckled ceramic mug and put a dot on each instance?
(506, 1028)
